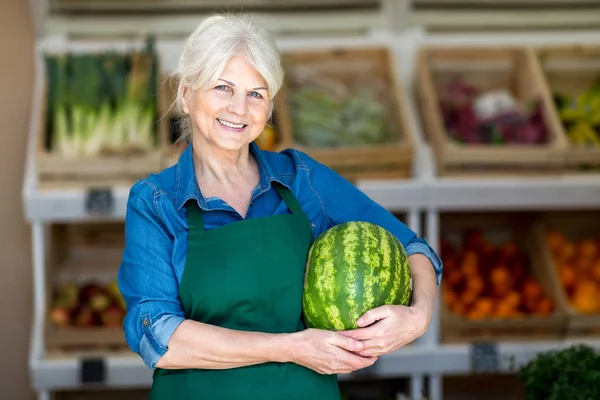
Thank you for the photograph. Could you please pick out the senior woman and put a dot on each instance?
(213, 266)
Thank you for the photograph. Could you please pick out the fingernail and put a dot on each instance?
(361, 321)
(359, 345)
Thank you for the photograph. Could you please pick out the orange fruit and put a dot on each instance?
(545, 306)
(585, 298)
(532, 290)
(566, 252)
(475, 284)
(587, 249)
(583, 264)
(501, 277)
(555, 240)
(505, 308)
(513, 298)
(567, 276)
(469, 297)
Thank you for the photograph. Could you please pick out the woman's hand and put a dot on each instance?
(384, 329)
(328, 352)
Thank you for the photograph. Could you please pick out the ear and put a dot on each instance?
(184, 103)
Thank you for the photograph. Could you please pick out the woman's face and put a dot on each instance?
(233, 112)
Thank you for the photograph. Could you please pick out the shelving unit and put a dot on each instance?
(425, 194)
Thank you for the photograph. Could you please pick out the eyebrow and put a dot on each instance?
(233, 84)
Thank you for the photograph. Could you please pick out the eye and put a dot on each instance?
(221, 87)
(256, 95)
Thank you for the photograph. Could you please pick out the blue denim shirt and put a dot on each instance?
(156, 232)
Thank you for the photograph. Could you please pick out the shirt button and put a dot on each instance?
(146, 322)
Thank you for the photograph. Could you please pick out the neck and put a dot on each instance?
(216, 165)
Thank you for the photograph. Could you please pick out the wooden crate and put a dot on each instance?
(350, 69)
(497, 229)
(575, 226)
(571, 70)
(54, 170)
(488, 68)
(82, 254)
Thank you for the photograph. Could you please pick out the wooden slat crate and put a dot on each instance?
(462, 318)
(511, 69)
(54, 170)
(558, 240)
(82, 255)
(337, 72)
(571, 71)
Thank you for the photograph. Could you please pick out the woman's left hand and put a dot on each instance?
(384, 329)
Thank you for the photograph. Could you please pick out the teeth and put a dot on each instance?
(231, 125)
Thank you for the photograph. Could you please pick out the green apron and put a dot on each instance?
(248, 276)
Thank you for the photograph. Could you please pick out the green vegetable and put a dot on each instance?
(101, 103)
(572, 373)
(352, 268)
(321, 118)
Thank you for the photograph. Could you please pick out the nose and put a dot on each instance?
(238, 104)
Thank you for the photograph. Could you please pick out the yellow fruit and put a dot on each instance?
(266, 140)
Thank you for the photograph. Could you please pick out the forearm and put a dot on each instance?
(203, 346)
(423, 281)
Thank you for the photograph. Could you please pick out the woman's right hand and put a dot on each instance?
(327, 352)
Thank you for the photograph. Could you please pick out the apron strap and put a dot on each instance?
(194, 216)
(289, 198)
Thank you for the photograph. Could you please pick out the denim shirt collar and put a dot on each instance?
(187, 186)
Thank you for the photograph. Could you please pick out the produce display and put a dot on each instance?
(101, 103)
(331, 114)
(578, 268)
(483, 280)
(352, 268)
(472, 116)
(87, 305)
(581, 115)
(267, 139)
(571, 373)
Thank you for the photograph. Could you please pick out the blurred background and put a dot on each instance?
(476, 122)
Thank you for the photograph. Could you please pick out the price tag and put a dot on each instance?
(484, 357)
(92, 370)
(99, 201)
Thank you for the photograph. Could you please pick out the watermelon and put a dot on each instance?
(351, 268)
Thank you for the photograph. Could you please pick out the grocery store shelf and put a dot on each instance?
(514, 193)
(441, 194)
(130, 372)
(64, 374)
(71, 204)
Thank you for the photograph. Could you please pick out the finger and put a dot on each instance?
(356, 361)
(362, 333)
(347, 343)
(373, 348)
(374, 315)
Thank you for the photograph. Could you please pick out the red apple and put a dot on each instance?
(60, 316)
(112, 316)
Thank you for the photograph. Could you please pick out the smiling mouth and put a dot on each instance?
(230, 124)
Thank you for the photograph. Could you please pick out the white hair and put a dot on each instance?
(210, 47)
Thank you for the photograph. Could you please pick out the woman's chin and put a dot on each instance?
(231, 143)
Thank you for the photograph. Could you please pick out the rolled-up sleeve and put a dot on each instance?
(420, 246)
(342, 202)
(146, 277)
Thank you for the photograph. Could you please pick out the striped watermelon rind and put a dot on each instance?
(351, 268)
